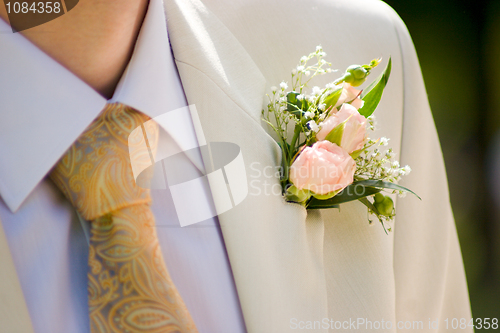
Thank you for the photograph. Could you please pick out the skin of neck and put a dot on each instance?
(94, 40)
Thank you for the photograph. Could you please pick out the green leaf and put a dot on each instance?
(293, 194)
(370, 206)
(292, 101)
(355, 154)
(350, 193)
(384, 184)
(384, 77)
(294, 105)
(335, 135)
(356, 191)
(320, 204)
(333, 98)
(325, 196)
(373, 93)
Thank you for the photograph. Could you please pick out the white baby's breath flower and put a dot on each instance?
(294, 71)
(322, 106)
(322, 116)
(328, 70)
(313, 126)
(406, 169)
(309, 114)
(402, 194)
(282, 99)
(300, 68)
(372, 120)
(322, 54)
(319, 48)
(316, 90)
(395, 164)
(283, 85)
(384, 141)
(273, 89)
(303, 59)
(330, 85)
(300, 97)
(307, 73)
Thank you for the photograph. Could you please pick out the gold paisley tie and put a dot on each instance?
(129, 288)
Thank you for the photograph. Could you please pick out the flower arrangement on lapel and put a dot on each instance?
(330, 159)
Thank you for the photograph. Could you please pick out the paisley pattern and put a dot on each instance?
(129, 287)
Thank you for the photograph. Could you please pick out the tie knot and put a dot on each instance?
(95, 174)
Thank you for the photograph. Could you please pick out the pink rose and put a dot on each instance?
(322, 168)
(354, 131)
(350, 94)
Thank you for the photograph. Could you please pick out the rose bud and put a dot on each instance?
(322, 169)
(353, 137)
(357, 75)
(350, 95)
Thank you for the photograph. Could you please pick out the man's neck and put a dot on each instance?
(94, 40)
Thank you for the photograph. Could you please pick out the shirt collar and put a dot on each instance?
(45, 107)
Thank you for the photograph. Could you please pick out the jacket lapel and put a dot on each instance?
(275, 248)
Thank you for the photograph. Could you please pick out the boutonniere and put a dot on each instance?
(329, 159)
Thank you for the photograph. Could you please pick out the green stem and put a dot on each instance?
(296, 135)
(288, 154)
(284, 162)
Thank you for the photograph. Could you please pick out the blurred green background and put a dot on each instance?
(458, 44)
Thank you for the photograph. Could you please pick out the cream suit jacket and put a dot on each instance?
(292, 267)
